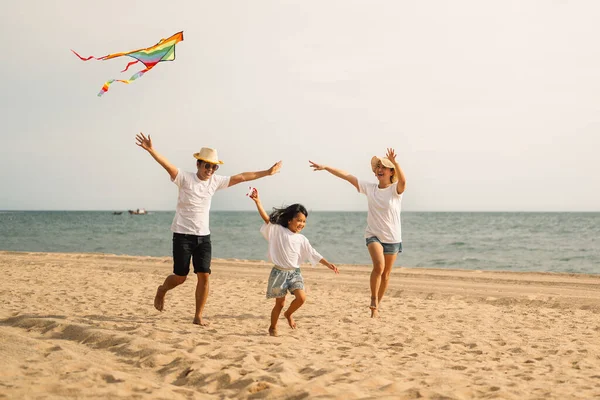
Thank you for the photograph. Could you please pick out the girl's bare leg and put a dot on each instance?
(376, 252)
(385, 276)
(279, 303)
(300, 298)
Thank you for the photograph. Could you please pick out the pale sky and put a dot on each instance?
(490, 105)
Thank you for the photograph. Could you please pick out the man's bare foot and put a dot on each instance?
(273, 331)
(374, 313)
(290, 320)
(159, 299)
(201, 322)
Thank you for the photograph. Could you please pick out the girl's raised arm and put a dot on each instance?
(337, 172)
(263, 214)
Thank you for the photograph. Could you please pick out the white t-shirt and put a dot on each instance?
(287, 249)
(193, 202)
(383, 218)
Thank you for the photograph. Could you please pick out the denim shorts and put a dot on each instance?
(282, 281)
(191, 247)
(388, 248)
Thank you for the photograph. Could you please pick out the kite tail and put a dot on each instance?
(130, 64)
(88, 58)
(128, 81)
(107, 84)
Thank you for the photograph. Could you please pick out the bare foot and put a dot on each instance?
(159, 299)
(373, 305)
(290, 320)
(201, 322)
(374, 313)
(273, 331)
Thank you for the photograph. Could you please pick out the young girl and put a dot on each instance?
(383, 234)
(287, 250)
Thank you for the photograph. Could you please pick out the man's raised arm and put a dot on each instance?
(250, 176)
(146, 144)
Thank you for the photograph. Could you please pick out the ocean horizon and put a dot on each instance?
(314, 210)
(541, 241)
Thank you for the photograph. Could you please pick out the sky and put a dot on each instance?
(490, 105)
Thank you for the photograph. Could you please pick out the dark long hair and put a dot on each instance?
(283, 216)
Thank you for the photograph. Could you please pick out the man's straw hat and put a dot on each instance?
(208, 155)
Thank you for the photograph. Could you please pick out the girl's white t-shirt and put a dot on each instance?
(383, 217)
(287, 249)
(193, 203)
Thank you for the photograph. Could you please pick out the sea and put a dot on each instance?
(508, 241)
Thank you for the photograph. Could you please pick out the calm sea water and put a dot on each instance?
(557, 242)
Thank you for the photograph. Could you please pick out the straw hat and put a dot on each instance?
(386, 163)
(208, 155)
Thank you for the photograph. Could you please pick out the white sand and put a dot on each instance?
(83, 326)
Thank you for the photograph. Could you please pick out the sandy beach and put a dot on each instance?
(76, 326)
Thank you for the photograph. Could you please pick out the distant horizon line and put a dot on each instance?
(313, 210)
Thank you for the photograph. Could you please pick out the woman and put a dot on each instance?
(383, 234)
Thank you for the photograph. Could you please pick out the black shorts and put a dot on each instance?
(191, 247)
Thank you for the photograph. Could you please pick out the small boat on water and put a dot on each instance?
(117, 212)
(139, 211)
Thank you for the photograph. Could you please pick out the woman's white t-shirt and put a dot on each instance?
(383, 217)
(193, 203)
(287, 249)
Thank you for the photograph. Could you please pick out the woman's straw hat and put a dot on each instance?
(386, 163)
(208, 155)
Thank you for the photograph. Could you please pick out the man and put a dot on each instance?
(191, 234)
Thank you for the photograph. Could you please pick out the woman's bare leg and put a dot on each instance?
(385, 276)
(376, 252)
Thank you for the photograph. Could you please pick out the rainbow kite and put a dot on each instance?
(161, 51)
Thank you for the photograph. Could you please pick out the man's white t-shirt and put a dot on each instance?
(193, 202)
(287, 249)
(383, 217)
